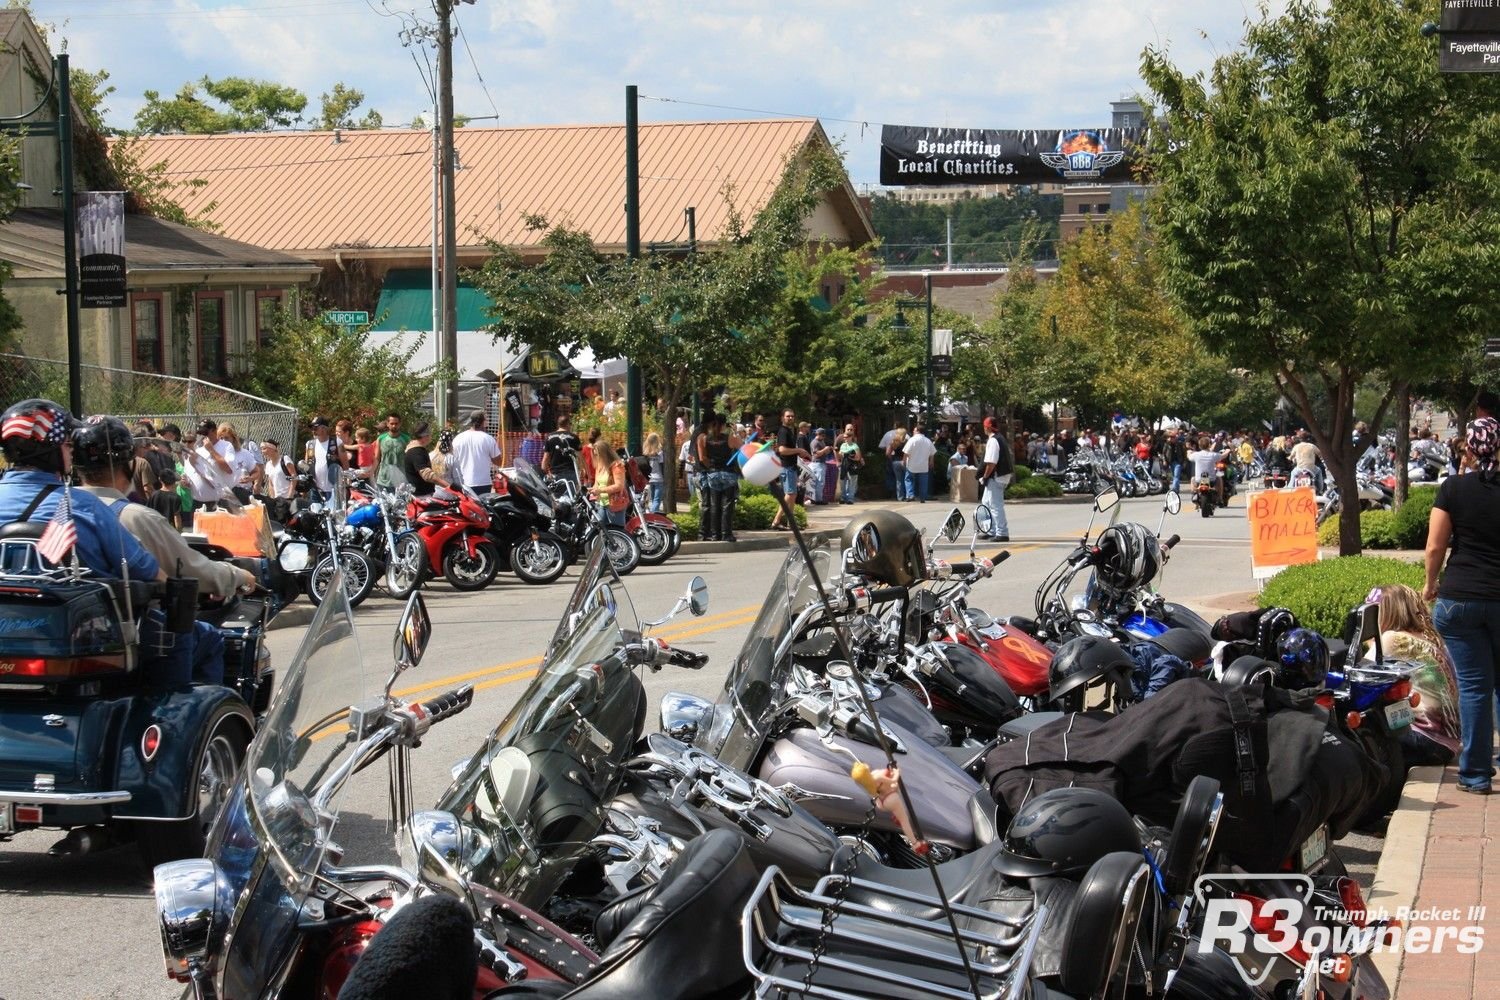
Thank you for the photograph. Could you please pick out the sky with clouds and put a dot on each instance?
(968, 63)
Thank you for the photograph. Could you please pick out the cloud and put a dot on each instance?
(1024, 63)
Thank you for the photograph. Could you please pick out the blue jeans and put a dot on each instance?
(1176, 476)
(656, 498)
(851, 484)
(1471, 631)
(916, 485)
(789, 483)
(994, 499)
(195, 655)
(819, 477)
(896, 473)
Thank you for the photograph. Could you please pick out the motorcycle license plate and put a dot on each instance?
(1398, 715)
(1315, 848)
(6, 824)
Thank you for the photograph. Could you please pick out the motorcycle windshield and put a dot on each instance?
(526, 477)
(534, 790)
(756, 677)
(303, 737)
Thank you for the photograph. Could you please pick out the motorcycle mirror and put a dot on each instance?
(436, 841)
(603, 597)
(1174, 502)
(697, 596)
(953, 526)
(413, 632)
(1106, 499)
(983, 520)
(294, 557)
(866, 543)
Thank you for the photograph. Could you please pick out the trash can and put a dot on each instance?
(963, 484)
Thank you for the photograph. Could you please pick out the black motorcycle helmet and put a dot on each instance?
(1301, 660)
(103, 443)
(33, 431)
(1063, 832)
(887, 548)
(1085, 660)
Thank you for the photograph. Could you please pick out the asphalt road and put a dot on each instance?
(86, 926)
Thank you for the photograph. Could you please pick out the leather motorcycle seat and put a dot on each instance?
(1185, 643)
(1023, 724)
(962, 878)
(681, 937)
(23, 529)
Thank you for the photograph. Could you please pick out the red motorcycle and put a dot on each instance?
(451, 526)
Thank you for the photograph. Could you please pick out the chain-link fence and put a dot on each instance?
(161, 399)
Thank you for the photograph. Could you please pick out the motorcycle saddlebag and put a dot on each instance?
(63, 630)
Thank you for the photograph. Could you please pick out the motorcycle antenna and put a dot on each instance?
(841, 635)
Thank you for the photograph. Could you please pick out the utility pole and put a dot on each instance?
(632, 250)
(448, 337)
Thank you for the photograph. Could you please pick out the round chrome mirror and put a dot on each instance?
(604, 597)
(866, 543)
(295, 557)
(984, 520)
(698, 596)
(953, 526)
(439, 845)
(1174, 502)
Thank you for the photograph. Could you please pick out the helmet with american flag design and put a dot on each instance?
(33, 432)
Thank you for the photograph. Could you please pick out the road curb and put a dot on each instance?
(1399, 874)
(756, 541)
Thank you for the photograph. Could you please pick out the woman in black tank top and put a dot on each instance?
(721, 482)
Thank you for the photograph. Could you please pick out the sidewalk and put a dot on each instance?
(1441, 855)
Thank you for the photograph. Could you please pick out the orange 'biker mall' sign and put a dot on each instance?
(1283, 529)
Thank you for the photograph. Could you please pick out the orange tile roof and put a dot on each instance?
(304, 192)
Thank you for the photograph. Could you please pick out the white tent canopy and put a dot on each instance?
(478, 350)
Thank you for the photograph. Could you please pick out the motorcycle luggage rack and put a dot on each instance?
(1000, 954)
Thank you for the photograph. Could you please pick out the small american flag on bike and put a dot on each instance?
(61, 533)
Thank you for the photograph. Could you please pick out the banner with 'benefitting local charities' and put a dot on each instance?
(923, 156)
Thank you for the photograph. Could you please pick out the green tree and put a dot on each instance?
(826, 358)
(338, 107)
(682, 319)
(985, 230)
(324, 369)
(243, 105)
(1326, 203)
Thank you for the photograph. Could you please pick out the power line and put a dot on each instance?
(475, 63)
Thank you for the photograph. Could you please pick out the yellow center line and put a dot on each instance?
(729, 619)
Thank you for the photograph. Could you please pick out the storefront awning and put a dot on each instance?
(406, 303)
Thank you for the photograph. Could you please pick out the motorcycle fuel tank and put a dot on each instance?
(939, 788)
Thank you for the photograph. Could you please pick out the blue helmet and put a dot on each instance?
(1301, 660)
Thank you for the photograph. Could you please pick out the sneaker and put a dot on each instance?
(1474, 789)
(1001, 538)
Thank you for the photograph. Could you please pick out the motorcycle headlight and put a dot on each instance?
(194, 902)
(544, 509)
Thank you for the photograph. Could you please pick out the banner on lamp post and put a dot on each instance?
(942, 353)
(101, 249)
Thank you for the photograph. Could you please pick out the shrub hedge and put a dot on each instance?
(1026, 487)
(1384, 529)
(753, 512)
(1321, 594)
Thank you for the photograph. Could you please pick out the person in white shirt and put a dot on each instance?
(475, 455)
(918, 451)
(1206, 465)
(210, 468)
(327, 459)
(999, 466)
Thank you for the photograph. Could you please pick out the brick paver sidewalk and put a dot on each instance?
(1461, 869)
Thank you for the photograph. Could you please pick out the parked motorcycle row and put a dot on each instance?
(1090, 470)
(389, 538)
(895, 794)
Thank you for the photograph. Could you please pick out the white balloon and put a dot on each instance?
(762, 468)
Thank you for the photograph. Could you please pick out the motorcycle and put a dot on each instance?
(91, 745)
(655, 533)
(520, 526)
(314, 543)
(453, 527)
(580, 521)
